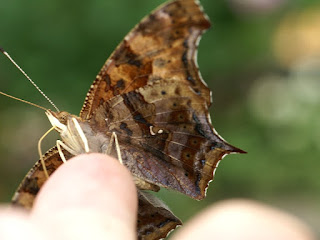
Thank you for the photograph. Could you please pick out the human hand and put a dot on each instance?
(93, 196)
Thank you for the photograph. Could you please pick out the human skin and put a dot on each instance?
(93, 196)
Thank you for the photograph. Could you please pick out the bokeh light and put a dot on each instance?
(290, 104)
(256, 6)
(297, 36)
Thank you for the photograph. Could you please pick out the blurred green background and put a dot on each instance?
(261, 59)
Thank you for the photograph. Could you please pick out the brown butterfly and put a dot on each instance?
(148, 107)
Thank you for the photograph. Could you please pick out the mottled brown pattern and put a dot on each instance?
(155, 219)
(187, 151)
(150, 93)
(33, 181)
(162, 46)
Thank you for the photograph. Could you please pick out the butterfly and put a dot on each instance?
(148, 107)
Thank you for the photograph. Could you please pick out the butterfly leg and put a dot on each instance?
(73, 141)
(62, 144)
(114, 139)
(82, 135)
(117, 147)
(40, 152)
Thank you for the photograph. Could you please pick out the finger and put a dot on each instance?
(92, 196)
(244, 219)
(15, 224)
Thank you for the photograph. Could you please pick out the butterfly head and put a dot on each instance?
(58, 119)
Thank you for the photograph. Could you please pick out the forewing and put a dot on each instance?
(162, 46)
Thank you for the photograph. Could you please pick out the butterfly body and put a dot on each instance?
(150, 95)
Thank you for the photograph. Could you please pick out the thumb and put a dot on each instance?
(92, 196)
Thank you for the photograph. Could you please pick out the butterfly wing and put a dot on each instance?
(165, 135)
(155, 220)
(150, 85)
(33, 181)
(162, 46)
(151, 94)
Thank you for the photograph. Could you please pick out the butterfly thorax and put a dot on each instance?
(76, 133)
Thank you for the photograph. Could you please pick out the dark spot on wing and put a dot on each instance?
(120, 84)
(203, 162)
(30, 185)
(185, 62)
(184, 59)
(135, 62)
(140, 119)
(124, 127)
(198, 127)
(165, 222)
(124, 54)
(197, 182)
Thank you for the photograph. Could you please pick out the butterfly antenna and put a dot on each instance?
(24, 101)
(30, 80)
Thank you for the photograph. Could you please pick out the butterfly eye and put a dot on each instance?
(163, 92)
